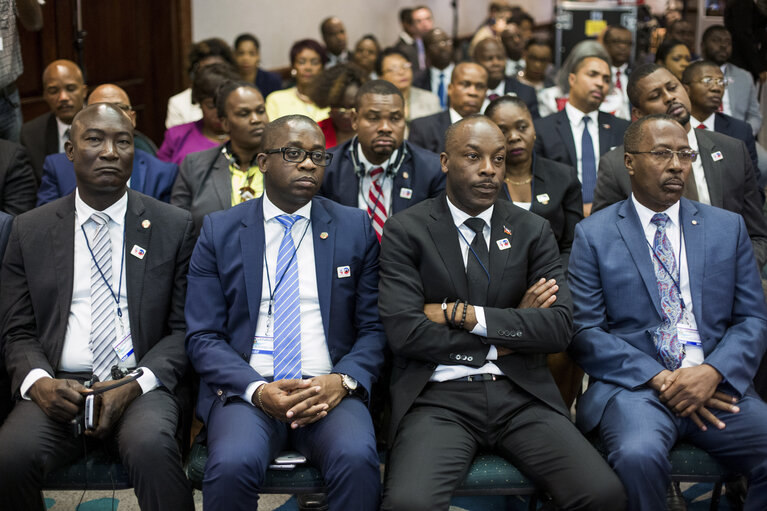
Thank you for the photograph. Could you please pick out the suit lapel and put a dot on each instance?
(324, 249)
(62, 233)
(605, 133)
(692, 229)
(52, 136)
(135, 268)
(566, 134)
(632, 234)
(398, 202)
(445, 238)
(222, 181)
(348, 181)
(252, 246)
(499, 224)
(713, 170)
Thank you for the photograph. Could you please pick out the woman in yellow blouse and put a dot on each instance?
(307, 58)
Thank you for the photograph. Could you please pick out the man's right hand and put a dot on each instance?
(59, 399)
(541, 295)
(278, 397)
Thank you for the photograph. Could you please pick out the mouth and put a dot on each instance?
(306, 182)
(516, 151)
(673, 185)
(486, 187)
(257, 132)
(383, 142)
(597, 95)
(675, 109)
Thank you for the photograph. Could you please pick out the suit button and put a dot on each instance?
(470, 359)
(220, 392)
(519, 333)
(452, 356)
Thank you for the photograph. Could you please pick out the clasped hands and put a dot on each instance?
(300, 402)
(691, 392)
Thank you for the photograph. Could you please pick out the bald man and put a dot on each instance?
(64, 91)
(107, 298)
(334, 37)
(150, 176)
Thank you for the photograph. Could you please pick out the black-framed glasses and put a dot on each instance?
(664, 155)
(297, 155)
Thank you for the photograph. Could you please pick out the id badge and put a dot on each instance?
(688, 335)
(263, 345)
(124, 347)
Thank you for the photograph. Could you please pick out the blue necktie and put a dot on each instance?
(441, 91)
(287, 310)
(666, 339)
(588, 165)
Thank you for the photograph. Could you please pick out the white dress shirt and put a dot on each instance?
(617, 101)
(726, 109)
(454, 116)
(499, 89)
(315, 358)
(575, 117)
(697, 167)
(76, 354)
(514, 66)
(465, 238)
(708, 122)
(62, 128)
(693, 354)
(434, 77)
(367, 181)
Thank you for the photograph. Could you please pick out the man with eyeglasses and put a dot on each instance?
(439, 50)
(284, 330)
(675, 361)
(722, 175)
(150, 175)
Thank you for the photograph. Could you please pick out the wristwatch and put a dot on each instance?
(349, 383)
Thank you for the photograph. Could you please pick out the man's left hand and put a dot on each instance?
(113, 404)
(688, 389)
(331, 393)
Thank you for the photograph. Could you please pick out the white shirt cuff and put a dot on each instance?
(148, 381)
(251, 389)
(481, 327)
(32, 377)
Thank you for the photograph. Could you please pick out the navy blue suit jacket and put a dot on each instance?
(267, 82)
(150, 176)
(429, 132)
(741, 130)
(224, 295)
(420, 172)
(525, 93)
(616, 304)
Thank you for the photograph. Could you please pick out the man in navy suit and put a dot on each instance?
(562, 137)
(439, 52)
(407, 175)
(284, 330)
(677, 360)
(490, 54)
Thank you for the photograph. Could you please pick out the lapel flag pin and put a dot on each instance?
(137, 251)
(323, 235)
(506, 230)
(717, 156)
(405, 175)
(606, 126)
(543, 198)
(503, 244)
(145, 224)
(406, 193)
(694, 222)
(344, 272)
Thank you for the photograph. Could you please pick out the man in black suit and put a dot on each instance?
(6, 221)
(416, 23)
(378, 170)
(64, 92)
(721, 176)
(619, 44)
(439, 51)
(490, 54)
(465, 93)
(470, 372)
(580, 134)
(704, 83)
(107, 249)
(17, 179)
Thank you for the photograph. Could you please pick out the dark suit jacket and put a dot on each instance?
(225, 295)
(203, 185)
(17, 179)
(555, 138)
(613, 335)
(735, 128)
(41, 137)
(525, 93)
(268, 82)
(150, 176)
(6, 221)
(36, 292)
(557, 198)
(421, 263)
(731, 183)
(422, 79)
(420, 172)
(429, 132)
(411, 52)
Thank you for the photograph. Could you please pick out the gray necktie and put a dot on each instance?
(103, 332)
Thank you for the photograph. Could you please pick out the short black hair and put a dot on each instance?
(504, 100)
(272, 128)
(633, 135)
(247, 37)
(226, 88)
(308, 44)
(213, 47)
(665, 48)
(406, 16)
(711, 30)
(635, 77)
(451, 130)
(690, 70)
(521, 16)
(208, 79)
(329, 87)
(383, 87)
(386, 53)
(612, 28)
(538, 41)
(578, 63)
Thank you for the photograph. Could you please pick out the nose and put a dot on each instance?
(487, 168)
(63, 96)
(473, 91)
(109, 150)
(308, 165)
(385, 126)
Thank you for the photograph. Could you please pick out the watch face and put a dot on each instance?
(350, 382)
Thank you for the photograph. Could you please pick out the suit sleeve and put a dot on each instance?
(738, 354)
(20, 184)
(754, 113)
(752, 213)
(166, 181)
(181, 193)
(607, 190)
(572, 205)
(400, 302)
(49, 185)
(601, 354)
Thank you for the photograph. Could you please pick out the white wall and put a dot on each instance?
(278, 24)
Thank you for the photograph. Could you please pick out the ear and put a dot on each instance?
(69, 150)
(224, 123)
(261, 159)
(687, 89)
(355, 118)
(571, 79)
(443, 162)
(628, 161)
(636, 113)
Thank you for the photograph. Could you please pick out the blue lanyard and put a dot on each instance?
(676, 284)
(122, 260)
(473, 252)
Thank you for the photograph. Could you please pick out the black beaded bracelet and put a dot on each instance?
(455, 308)
(463, 315)
(444, 311)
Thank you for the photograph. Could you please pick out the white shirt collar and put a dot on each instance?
(622, 69)
(271, 211)
(115, 212)
(370, 166)
(576, 116)
(646, 214)
(454, 116)
(406, 37)
(460, 216)
(62, 127)
(708, 122)
(448, 72)
(692, 140)
(500, 89)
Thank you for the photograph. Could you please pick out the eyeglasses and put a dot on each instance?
(341, 110)
(664, 155)
(397, 69)
(623, 42)
(709, 81)
(296, 155)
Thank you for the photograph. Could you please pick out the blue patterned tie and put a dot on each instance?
(441, 92)
(287, 310)
(666, 340)
(588, 165)
(103, 331)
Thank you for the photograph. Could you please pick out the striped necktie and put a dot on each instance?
(376, 208)
(287, 310)
(103, 332)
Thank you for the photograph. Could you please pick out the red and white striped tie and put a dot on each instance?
(376, 208)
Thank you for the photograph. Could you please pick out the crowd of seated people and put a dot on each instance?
(455, 225)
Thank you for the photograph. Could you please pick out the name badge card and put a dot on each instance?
(263, 345)
(124, 347)
(688, 335)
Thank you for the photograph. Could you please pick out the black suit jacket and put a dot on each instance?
(421, 263)
(41, 137)
(36, 292)
(429, 132)
(420, 172)
(18, 186)
(557, 198)
(554, 138)
(411, 52)
(525, 93)
(731, 183)
(422, 79)
(735, 128)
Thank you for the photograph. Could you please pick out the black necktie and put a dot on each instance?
(476, 275)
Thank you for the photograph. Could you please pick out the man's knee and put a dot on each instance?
(633, 457)
(400, 498)
(232, 461)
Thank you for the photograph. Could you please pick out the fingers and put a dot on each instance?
(723, 396)
(300, 423)
(727, 406)
(698, 422)
(310, 406)
(289, 385)
(710, 417)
